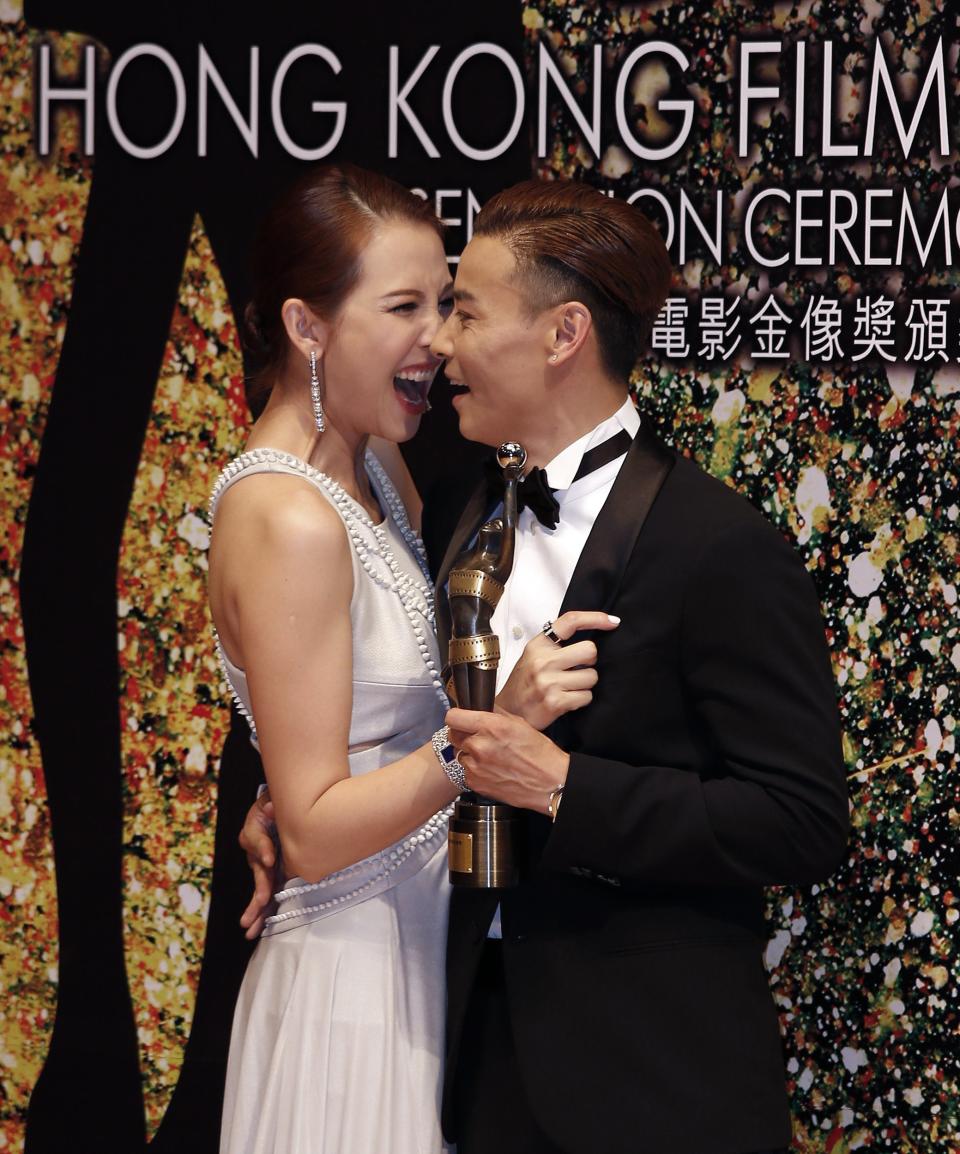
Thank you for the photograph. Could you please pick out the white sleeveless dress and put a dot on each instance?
(337, 1035)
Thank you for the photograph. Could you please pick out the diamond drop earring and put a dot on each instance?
(315, 393)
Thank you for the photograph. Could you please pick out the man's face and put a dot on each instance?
(496, 354)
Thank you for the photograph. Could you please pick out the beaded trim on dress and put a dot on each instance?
(363, 879)
(416, 597)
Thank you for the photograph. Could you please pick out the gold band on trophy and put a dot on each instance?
(474, 583)
(486, 838)
(482, 650)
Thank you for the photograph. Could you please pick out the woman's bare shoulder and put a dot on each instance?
(284, 515)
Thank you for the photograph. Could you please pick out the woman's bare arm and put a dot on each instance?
(282, 564)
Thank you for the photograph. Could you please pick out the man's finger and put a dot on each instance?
(262, 883)
(457, 739)
(576, 619)
(252, 918)
(252, 913)
(258, 846)
(576, 679)
(255, 927)
(466, 720)
(576, 653)
(577, 700)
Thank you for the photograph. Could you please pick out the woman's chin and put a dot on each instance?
(402, 428)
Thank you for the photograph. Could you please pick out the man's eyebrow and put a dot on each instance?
(462, 295)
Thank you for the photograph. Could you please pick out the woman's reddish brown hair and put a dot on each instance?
(571, 242)
(310, 246)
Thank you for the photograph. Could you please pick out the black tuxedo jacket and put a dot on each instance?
(707, 766)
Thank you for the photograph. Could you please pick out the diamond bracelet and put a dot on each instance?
(447, 756)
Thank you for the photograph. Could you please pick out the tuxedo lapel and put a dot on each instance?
(607, 550)
(609, 546)
(470, 521)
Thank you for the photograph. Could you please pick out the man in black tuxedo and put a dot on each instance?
(616, 1000)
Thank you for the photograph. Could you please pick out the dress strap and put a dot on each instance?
(277, 461)
(396, 509)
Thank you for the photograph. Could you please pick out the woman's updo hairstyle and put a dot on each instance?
(310, 246)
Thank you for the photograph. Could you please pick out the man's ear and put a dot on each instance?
(571, 328)
(305, 330)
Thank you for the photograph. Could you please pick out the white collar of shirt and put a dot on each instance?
(563, 468)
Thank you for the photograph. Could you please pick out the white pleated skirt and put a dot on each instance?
(337, 1039)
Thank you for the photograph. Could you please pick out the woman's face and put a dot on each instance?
(377, 364)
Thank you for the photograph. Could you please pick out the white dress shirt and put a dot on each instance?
(544, 559)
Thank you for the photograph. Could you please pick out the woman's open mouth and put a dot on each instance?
(412, 388)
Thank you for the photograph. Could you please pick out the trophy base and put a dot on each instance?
(483, 845)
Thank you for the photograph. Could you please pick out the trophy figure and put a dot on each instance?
(484, 837)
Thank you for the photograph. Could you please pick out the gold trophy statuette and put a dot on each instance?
(484, 838)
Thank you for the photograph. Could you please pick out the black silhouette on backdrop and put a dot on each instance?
(136, 233)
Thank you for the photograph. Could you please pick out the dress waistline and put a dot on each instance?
(302, 902)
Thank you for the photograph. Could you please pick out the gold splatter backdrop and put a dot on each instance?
(857, 463)
(170, 698)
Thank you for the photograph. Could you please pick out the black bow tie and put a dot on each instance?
(534, 491)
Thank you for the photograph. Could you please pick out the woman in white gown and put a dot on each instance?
(323, 608)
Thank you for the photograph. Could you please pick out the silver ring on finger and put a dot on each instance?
(547, 630)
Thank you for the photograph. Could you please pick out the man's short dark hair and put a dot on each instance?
(571, 242)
